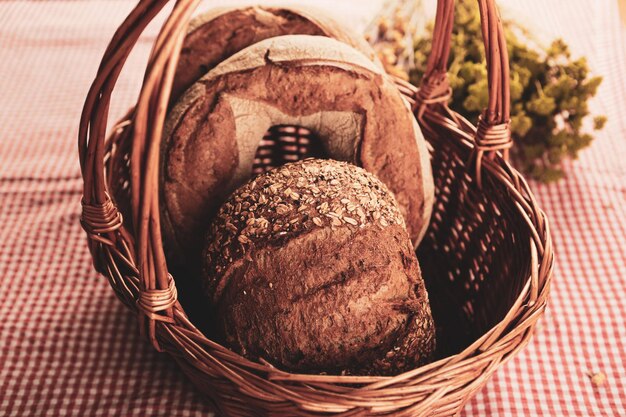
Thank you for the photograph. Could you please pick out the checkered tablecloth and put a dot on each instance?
(69, 348)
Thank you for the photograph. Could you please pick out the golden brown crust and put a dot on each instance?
(193, 184)
(216, 35)
(292, 200)
(333, 90)
(329, 284)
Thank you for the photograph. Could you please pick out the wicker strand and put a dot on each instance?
(153, 301)
(100, 218)
(153, 306)
(434, 89)
(489, 138)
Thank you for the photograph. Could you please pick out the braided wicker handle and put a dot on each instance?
(151, 290)
(493, 132)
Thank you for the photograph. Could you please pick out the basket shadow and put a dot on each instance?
(472, 256)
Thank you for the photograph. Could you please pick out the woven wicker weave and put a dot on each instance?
(487, 257)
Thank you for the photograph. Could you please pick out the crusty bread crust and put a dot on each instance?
(219, 33)
(315, 82)
(310, 267)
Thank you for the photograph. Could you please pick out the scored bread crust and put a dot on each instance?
(221, 32)
(316, 82)
(309, 266)
(292, 200)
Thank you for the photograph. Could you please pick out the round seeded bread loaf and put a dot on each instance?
(212, 134)
(214, 36)
(310, 267)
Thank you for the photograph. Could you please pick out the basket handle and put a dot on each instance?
(493, 132)
(153, 292)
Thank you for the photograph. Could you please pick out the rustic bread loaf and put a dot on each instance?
(212, 134)
(310, 267)
(216, 35)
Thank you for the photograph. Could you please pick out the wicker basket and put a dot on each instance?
(487, 257)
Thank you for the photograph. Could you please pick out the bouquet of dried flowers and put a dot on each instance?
(550, 90)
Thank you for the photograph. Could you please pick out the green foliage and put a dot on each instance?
(599, 122)
(549, 92)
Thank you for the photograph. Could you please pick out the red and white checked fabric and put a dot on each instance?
(69, 348)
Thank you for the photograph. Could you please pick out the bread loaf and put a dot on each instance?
(212, 134)
(216, 35)
(310, 267)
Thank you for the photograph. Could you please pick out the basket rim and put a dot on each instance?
(479, 345)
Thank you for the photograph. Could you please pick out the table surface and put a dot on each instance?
(68, 347)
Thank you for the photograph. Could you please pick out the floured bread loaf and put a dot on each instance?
(212, 134)
(216, 35)
(310, 267)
